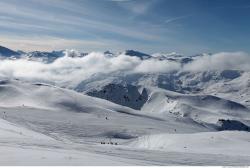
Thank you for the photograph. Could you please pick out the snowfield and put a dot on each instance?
(231, 142)
(54, 126)
(68, 111)
(20, 146)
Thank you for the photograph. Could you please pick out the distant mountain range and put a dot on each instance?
(126, 88)
(93, 102)
(53, 55)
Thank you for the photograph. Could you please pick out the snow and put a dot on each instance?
(47, 125)
(227, 142)
(123, 116)
(20, 146)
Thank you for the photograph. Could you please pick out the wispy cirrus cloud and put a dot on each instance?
(120, 0)
(136, 6)
(65, 19)
(49, 43)
(33, 16)
(131, 24)
(174, 19)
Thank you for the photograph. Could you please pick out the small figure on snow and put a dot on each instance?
(4, 115)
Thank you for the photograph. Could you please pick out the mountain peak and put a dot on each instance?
(139, 54)
(6, 52)
(108, 53)
(171, 54)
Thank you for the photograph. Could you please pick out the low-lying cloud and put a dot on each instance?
(221, 61)
(72, 70)
(69, 71)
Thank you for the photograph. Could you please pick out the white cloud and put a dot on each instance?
(154, 66)
(53, 21)
(174, 19)
(68, 71)
(221, 61)
(137, 7)
(120, 0)
(71, 71)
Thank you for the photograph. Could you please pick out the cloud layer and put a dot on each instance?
(68, 71)
(221, 61)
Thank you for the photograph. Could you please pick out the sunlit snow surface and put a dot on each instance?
(46, 125)
(170, 109)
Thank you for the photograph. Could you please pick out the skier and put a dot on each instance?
(4, 115)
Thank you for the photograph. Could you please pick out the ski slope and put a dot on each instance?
(45, 125)
(23, 147)
(233, 143)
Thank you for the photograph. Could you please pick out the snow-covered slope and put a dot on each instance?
(229, 84)
(204, 109)
(123, 109)
(237, 89)
(22, 147)
(52, 100)
(230, 142)
(64, 116)
(44, 122)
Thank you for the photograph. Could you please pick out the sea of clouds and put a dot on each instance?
(71, 71)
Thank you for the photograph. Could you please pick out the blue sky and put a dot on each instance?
(184, 26)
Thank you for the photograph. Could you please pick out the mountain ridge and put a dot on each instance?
(6, 52)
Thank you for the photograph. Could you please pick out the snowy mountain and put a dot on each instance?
(175, 57)
(45, 120)
(230, 84)
(46, 57)
(5, 52)
(50, 57)
(136, 54)
(127, 95)
(129, 108)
